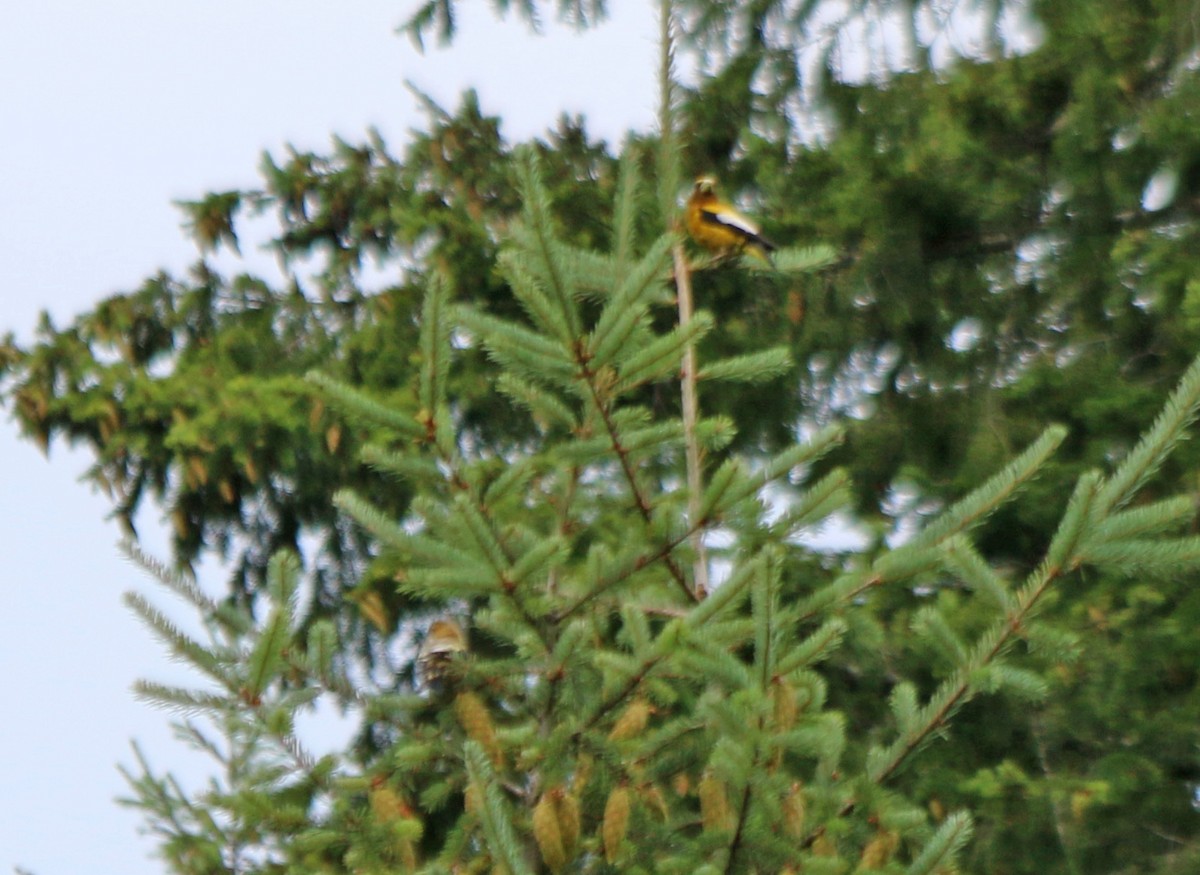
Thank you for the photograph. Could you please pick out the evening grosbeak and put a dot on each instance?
(444, 642)
(720, 228)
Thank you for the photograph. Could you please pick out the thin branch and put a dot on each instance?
(957, 689)
(1057, 808)
(691, 416)
(668, 172)
(640, 498)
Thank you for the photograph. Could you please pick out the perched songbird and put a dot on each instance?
(444, 642)
(717, 226)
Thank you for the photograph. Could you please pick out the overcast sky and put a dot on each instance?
(109, 112)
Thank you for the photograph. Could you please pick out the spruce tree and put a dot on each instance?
(592, 709)
(932, 185)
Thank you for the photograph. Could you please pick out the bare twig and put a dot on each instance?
(691, 415)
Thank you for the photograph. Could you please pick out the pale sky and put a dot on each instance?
(108, 112)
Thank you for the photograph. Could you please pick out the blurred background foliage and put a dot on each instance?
(1014, 192)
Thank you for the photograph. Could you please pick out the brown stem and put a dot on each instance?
(691, 415)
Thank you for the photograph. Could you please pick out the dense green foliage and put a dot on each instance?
(601, 713)
(1016, 239)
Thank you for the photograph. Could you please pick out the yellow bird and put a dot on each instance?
(720, 228)
(444, 643)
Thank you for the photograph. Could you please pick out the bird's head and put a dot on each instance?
(705, 185)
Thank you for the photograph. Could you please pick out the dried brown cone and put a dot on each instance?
(476, 722)
(388, 808)
(371, 606)
(632, 721)
(793, 811)
(786, 709)
(715, 812)
(473, 799)
(407, 854)
(786, 705)
(879, 850)
(652, 796)
(616, 822)
(566, 806)
(823, 846)
(386, 804)
(548, 834)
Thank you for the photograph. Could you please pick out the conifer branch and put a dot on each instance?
(1001, 486)
(181, 645)
(283, 577)
(1081, 513)
(302, 760)
(814, 648)
(752, 367)
(961, 685)
(730, 485)
(940, 850)
(434, 343)
(764, 610)
(1074, 543)
(640, 496)
(764, 595)
(528, 287)
(470, 503)
(181, 584)
(180, 699)
(624, 216)
(943, 536)
(267, 655)
(1168, 429)
(816, 503)
(923, 552)
(628, 304)
(663, 354)
(541, 224)
(1153, 518)
(965, 562)
(741, 816)
(626, 568)
(664, 646)
(357, 403)
(420, 470)
(531, 354)
(1156, 557)
(566, 364)
(617, 698)
(493, 812)
(547, 409)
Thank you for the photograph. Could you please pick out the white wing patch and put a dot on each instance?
(733, 220)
